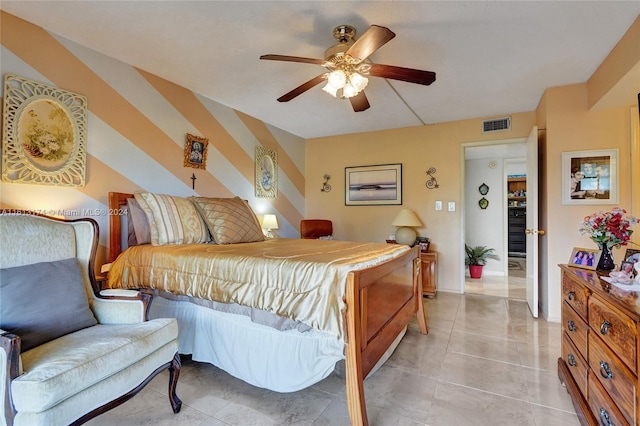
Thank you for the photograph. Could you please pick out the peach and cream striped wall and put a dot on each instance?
(137, 125)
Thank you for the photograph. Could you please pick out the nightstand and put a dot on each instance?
(429, 264)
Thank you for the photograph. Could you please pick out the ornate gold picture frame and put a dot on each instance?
(266, 173)
(195, 152)
(44, 134)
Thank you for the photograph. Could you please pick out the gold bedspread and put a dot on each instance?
(303, 280)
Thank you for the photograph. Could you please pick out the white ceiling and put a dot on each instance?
(491, 58)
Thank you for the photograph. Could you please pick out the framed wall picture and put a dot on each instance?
(195, 152)
(590, 177)
(266, 173)
(373, 185)
(44, 136)
(585, 258)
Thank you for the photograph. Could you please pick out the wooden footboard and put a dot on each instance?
(381, 300)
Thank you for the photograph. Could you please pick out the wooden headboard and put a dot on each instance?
(117, 201)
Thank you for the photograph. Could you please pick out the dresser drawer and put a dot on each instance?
(575, 295)
(616, 329)
(602, 406)
(577, 365)
(575, 327)
(614, 376)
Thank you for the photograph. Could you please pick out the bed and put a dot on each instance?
(372, 292)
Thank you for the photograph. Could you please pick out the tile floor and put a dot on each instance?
(513, 286)
(484, 362)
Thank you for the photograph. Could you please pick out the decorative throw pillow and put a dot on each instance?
(230, 220)
(44, 301)
(172, 220)
(139, 223)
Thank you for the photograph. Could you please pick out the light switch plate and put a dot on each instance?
(452, 206)
(438, 205)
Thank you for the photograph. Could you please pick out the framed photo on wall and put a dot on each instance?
(373, 185)
(195, 152)
(585, 258)
(590, 177)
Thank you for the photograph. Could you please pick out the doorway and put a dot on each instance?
(497, 219)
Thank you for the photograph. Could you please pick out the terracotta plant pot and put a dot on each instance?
(475, 271)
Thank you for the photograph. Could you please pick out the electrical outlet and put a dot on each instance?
(438, 205)
(452, 206)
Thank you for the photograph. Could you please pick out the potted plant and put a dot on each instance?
(477, 257)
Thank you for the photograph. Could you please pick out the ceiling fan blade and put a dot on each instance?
(403, 74)
(373, 39)
(292, 59)
(302, 88)
(359, 102)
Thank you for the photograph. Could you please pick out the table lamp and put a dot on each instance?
(269, 222)
(405, 221)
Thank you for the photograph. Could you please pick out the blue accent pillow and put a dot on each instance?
(43, 301)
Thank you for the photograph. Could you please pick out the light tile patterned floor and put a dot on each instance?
(484, 362)
(513, 286)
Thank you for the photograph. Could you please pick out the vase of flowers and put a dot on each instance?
(608, 230)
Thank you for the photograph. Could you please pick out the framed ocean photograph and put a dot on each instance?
(373, 185)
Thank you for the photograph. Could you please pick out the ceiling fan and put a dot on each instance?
(347, 69)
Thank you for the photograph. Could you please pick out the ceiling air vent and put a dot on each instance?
(496, 125)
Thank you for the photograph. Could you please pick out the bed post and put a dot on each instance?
(353, 362)
(117, 201)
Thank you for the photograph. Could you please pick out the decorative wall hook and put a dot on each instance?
(432, 182)
(325, 186)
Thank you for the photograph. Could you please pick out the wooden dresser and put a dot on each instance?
(600, 347)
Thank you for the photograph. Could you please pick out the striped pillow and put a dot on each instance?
(230, 220)
(172, 220)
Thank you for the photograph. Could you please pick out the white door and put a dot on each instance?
(532, 231)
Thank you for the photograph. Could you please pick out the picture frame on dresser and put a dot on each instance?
(585, 258)
(632, 255)
(590, 177)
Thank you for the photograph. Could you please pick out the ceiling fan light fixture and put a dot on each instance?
(349, 91)
(358, 82)
(330, 89)
(337, 79)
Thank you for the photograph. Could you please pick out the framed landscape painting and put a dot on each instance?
(373, 185)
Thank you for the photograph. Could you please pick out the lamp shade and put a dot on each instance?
(269, 221)
(406, 218)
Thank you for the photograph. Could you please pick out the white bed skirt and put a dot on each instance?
(281, 361)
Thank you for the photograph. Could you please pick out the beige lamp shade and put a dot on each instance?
(405, 221)
(269, 221)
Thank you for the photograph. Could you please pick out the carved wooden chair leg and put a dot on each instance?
(174, 373)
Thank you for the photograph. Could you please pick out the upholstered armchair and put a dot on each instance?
(315, 228)
(68, 353)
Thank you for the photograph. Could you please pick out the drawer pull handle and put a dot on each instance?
(571, 295)
(604, 327)
(571, 360)
(572, 325)
(605, 371)
(605, 419)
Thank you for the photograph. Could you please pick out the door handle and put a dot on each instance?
(533, 231)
